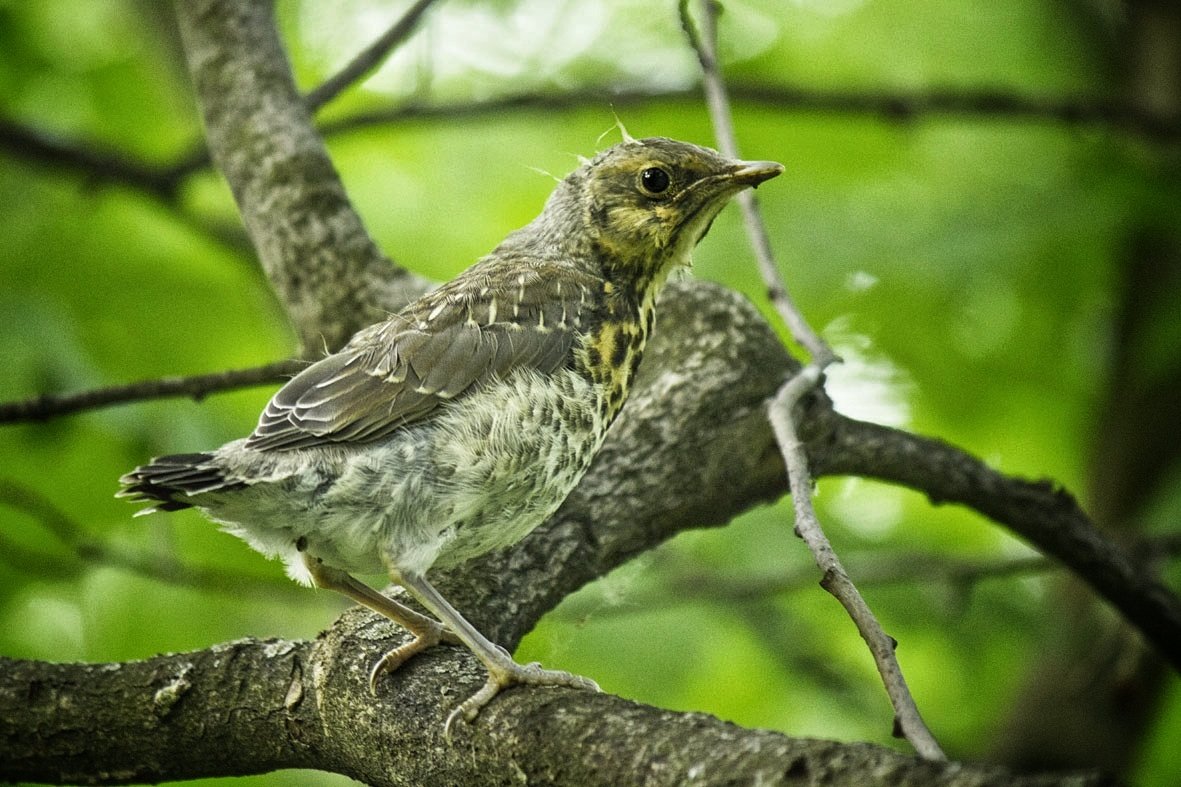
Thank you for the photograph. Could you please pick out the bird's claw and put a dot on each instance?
(502, 678)
(395, 658)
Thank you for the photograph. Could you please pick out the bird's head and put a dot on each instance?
(646, 203)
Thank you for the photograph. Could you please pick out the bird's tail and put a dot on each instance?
(168, 481)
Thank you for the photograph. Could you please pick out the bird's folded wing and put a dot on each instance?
(459, 336)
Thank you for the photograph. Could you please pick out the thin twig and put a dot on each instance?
(907, 720)
(718, 102)
(369, 59)
(689, 587)
(40, 408)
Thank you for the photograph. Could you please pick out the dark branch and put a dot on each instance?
(369, 59)
(96, 163)
(1038, 511)
(102, 165)
(196, 387)
(893, 107)
(252, 706)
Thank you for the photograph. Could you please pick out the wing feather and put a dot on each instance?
(439, 347)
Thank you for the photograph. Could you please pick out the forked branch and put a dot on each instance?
(908, 722)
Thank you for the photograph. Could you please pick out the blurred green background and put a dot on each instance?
(1010, 284)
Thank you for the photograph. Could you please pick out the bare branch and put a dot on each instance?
(890, 107)
(370, 58)
(197, 387)
(102, 165)
(908, 721)
(717, 100)
(97, 163)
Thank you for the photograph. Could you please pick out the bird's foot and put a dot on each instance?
(425, 638)
(509, 674)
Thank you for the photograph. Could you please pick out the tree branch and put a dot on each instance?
(196, 387)
(369, 59)
(908, 722)
(327, 272)
(98, 164)
(251, 706)
(1039, 511)
(887, 106)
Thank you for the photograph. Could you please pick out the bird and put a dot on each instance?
(461, 423)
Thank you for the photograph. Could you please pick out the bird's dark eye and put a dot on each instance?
(654, 180)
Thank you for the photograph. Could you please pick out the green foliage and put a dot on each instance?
(967, 266)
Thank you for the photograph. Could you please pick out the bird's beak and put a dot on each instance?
(752, 173)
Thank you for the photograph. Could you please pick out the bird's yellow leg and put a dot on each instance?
(503, 671)
(427, 631)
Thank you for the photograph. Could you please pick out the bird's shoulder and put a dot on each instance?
(502, 314)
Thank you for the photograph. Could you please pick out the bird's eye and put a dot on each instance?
(654, 180)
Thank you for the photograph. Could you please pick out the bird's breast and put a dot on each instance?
(611, 351)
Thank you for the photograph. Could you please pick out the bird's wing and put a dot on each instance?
(457, 337)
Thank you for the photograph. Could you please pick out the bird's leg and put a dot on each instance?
(502, 670)
(426, 631)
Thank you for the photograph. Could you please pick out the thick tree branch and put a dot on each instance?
(323, 265)
(251, 706)
(691, 449)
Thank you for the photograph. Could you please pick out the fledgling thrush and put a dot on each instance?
(462, 422)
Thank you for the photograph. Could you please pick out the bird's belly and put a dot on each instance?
(508, 455)
(479, 475)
